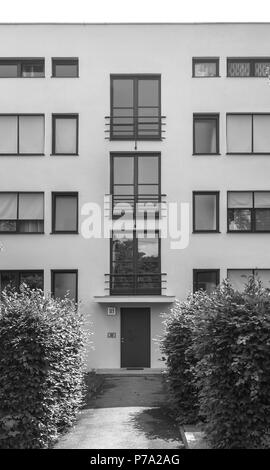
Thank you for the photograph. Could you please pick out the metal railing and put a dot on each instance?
(130, 127)
(136, 284)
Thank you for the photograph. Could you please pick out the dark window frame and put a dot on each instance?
(135, 78)
(251, 60)
(207, 60)
(64, 61)
(56, 116)
(18, 273)
(135, 271)
(64, 194)
(208, 193)
(17, 220)
(206, 116)
(63, 271)
(18, 153)
(252, 133)
(251, 209)
(19, 62)
(198, 271)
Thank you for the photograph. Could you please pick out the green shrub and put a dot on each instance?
(218, 356)
(232, 348)
(179, 324)
(41, 368)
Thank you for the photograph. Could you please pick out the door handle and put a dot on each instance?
(122, 340)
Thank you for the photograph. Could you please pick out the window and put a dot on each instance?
(64, 283)
(205, 279)
(248, 133)
(21, 212)
(65, 67)
(135, 107)
(65, 129)
(205, 134)
(64, 212)
(22, 134)
(135, 264)
(249, 211)
(205, 211)
(25, 68)
(205, 67)
(248, 67)
(239, 277)
(135, 256)
(13, 279)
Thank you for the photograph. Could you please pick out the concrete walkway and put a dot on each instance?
(130, 413)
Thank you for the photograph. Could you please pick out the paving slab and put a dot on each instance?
(130, 413)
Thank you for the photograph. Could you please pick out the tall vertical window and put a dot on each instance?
(65, 212)
(13, 279)
(205, 134)
(248, 133)
(205, 211)
(205, 279)
(21, 212)
(65, 67)
(23, 68)
(135, 107)
(65, 131)
(64, 283)
(135, 256)
(205, 67)
(249, 211)
(22, 134)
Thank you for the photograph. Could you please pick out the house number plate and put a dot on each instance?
(111, 335)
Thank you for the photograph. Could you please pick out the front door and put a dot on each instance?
(135, 337)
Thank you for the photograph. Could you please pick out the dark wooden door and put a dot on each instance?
(135, 337)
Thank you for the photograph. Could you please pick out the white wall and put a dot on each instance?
(105, 49)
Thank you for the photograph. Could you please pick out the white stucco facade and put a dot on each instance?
(136, 49)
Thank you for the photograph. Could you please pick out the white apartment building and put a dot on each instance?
(178, 113)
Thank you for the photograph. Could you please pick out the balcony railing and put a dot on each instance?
(130, 127)
(136, 284)
(137, 206)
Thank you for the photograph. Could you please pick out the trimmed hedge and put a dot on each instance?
(229, 342)
(41, 368)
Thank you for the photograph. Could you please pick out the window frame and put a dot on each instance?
(64, 61)
(201, 117)
(135, 271)
(27, 154)
(252, 133)
(207, 193)
(63, 271)
(21, 61)
(135, 78)
(252, 212)
(64, 194)
(197, 60)
(17, 220)
(18, 273)
(251, 60)
(198, 271)
(56, 116)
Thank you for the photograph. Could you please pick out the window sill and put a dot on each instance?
(206, 154)
(207, 76)
(205, 231)
(22, 77)
(64, 233)
(22, 233)
(54, 76)
(248, 153)
(64, 155)
(22, 154)
(248, 231)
